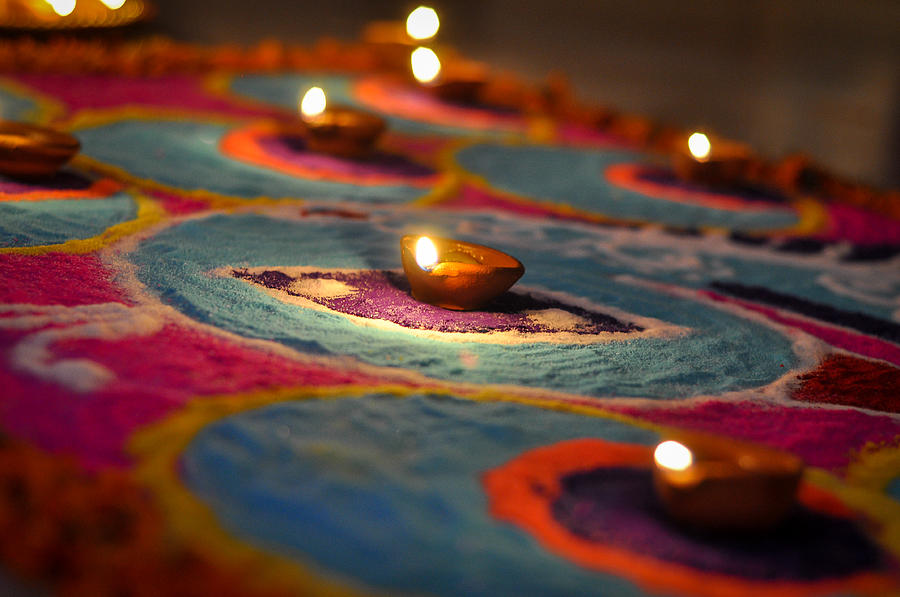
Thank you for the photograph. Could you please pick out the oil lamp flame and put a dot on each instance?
(673, 455)
(62, 7)
(313, 102)
(422, 23)
(699, 146)
(113, 4)
(426, 253)
(425, 65)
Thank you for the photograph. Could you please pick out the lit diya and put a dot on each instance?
(33, 151)
(71, 14)
(454, 274)
(718, 484)
(392, 40)
(459, 81)
(340, 130)
(716, 162)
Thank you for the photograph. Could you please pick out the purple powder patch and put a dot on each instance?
(291, 149)
(617, 506)
(61, 181)
(385, 295)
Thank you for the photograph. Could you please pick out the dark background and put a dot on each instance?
(811, 75)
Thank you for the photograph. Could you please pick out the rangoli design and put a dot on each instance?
(212, 362)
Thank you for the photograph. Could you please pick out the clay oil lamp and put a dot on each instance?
(30, 151)
(454, 274)
(392, 41)
(61, 15)
(712, 161)
(459, 81)
(340, 131)
(708, 483)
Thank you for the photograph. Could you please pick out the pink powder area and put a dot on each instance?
(585, 136)
(155, 375)
(860, 344)
(423, 148)
(91, 427)
(181, 362)
(824, 438)
(56, 279)
(390, 97)
(177, 92)
(860, 226)
(177, 205)
(476, 199)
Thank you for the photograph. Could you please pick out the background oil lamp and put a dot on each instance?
(454, 274)
(34, 151)
(392, 41)
(72, 14)
(340, 130)
(719, 484)
(459, 80)
(712, 161)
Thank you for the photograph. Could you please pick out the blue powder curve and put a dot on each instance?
(17, 106)
(575, 177)
(186, 155)
(793, 278)
(30, 223)
(387, 491)
(724, 352)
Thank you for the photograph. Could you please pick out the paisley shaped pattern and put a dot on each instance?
(200, 308)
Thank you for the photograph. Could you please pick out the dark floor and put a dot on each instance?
(811, 75)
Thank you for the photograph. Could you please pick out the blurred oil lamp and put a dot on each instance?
(392, 41)
(460, 81)
(72, 14)
(710, 483)
(340, 130)
(29, 151)
(711, 161)
(454, 274)
(422, 23)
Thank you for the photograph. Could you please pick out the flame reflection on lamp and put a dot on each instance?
(340, 130)
(704, 159)
(459, 81)
(422, 23)
(712, 483)
(454, 274)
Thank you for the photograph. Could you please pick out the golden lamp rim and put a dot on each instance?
(407, 242)
(713, 454)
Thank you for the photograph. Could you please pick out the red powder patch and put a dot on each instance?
(850, 381)
(175, 204)
(56, 279)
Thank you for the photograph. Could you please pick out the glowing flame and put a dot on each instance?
(422, 23)
(425, 65)
(426, 253)
(313, 102)
(699, 145)
(62, 7)
(113, 4)
(673, 455)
